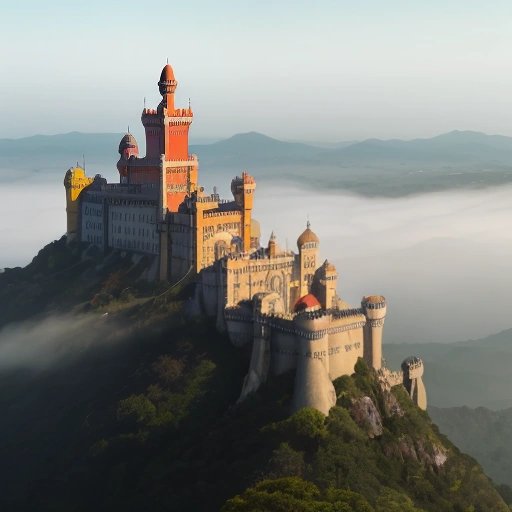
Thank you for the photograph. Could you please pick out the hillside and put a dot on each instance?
(473, 373)
(113, 398)
(483, 433)
(390, 168)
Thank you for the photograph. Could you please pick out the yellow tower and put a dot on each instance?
(75, 181)
(308, 253)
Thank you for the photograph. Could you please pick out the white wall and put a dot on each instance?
(133, 228)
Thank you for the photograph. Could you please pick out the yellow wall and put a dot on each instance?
(74, 182)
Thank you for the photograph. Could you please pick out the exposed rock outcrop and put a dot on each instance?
(367, 416)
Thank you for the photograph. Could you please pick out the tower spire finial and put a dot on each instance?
(128, 128)
(167, 60)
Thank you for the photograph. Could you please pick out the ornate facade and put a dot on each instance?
(283, 304)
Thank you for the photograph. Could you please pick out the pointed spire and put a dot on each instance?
(273, 237)
(308, 225)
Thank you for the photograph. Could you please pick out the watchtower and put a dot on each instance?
(307, 244)
(374, 308)
(75, 181)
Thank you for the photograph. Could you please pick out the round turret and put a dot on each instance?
(307, 237)
(127, 148)
(167, 83)
(374, 306)
(128, 145)
(412, 367)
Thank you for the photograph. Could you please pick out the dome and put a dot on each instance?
(308, 236)
(307, 303)
(127, 142)
(328, 266)
(167, 74)
(167, 83)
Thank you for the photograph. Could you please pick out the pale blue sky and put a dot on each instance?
(312, 70)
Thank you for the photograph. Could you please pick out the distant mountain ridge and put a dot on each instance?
(260, 147)
(472, 373)
(458, 159)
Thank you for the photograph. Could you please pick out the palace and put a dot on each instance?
(282, 304)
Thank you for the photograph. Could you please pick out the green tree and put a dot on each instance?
(280, 495)
(286, 461)
(394, 501)
(343, 499)
(137, 408)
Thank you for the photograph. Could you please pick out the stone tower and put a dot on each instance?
(128, 147)
(272, 245)
(167, 160)
(374, 308)
(412, 369)
(75, 181)
(313, 386)
(324, 285)
(307, 244)
(243, 188)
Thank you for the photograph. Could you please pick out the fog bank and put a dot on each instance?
(38, 344)
(442, 260)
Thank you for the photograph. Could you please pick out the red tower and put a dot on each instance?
(167, 162)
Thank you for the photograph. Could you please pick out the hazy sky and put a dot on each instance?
(325, 69)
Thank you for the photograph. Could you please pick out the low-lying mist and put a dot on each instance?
(54, 339)
(32, 213)
(442, 260)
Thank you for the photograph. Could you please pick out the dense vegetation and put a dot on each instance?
(144, 415)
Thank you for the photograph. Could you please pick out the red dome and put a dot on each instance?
(307, 303)
(167, 74)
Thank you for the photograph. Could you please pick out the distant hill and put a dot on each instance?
(457, 159)
(472, 373)
(56, 153)
(482, 433)
(453, 147)
(249, 149)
